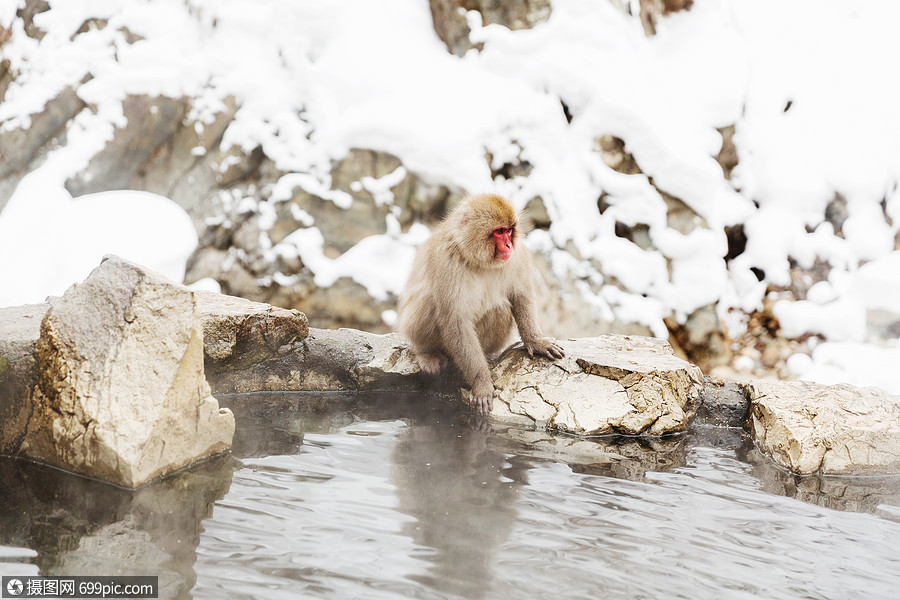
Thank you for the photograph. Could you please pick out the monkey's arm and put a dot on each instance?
(461, 342)
(525, 313)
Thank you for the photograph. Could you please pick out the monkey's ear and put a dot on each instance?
(525, 223)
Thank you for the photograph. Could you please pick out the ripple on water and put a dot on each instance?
(694, 533)
(432, 508)
(396, 510)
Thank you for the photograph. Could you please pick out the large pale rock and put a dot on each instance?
(608, 384)
(814, 428)
(121, 394)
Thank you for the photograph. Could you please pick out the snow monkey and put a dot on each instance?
(470, 283)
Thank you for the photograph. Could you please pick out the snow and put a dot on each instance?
(50, 240)
(804, 83)
(854, 363)
(381, 263)
(838, 308)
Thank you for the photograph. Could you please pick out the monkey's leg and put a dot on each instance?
(494, 329)
(465, 349)
(431, 362)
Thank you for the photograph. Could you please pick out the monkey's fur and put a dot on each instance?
(462, 298)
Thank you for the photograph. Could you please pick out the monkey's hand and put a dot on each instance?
(483, 397)
(544, 347)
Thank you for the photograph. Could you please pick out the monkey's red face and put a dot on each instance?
(503, 239)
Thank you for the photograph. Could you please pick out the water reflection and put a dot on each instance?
(864, 494)
(463, 494)
(621, 457)
(78, 526)
(459, 492)
(274, 423)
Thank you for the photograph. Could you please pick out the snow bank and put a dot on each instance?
(803, 83)
(48, 240)
(850, 362)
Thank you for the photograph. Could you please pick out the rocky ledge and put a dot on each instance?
(115, 380)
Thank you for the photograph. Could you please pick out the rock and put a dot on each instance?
(388, 362)
(814, 428)
(27, 12)
(169, 147)
(651, 11)
(149, 124)
(252, 347)
(121, 394)
(329, 359)
(837, 213)
(367, 191)
(369, 201)
(615, 156)
(509, 167)
(20, 327)
(568, 312)
(23, 149)
(536, 213)
(609, 384)
(345, 303)
(239, 332)
(728, 157)
(723, 404)
(64, 400)
(449, 18)
(514, 14)
(701, 337)
(679, 215)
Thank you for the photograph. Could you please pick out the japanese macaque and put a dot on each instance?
(470, 283)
